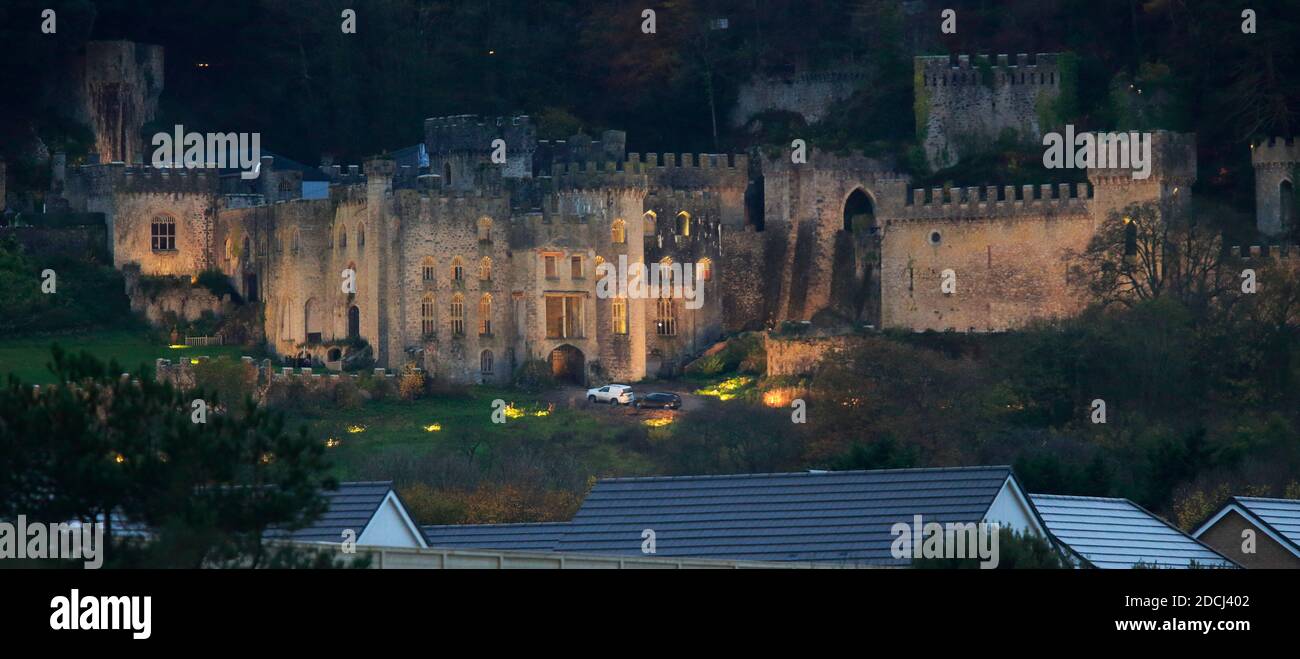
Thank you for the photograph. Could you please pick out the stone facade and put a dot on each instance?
(1275, 162)
(809, 95)
(963, 104)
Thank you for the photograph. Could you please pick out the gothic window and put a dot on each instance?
(620, 315)
(343, 237)
(457, 269)
(485, 269)
(485, 315)
(704, 269)
(618, 232)
(666, 317)
(162, 234)
(361, 236)
(426, 315)
(684, 223)
(297, 241)
(485, 362)
(458, 315)
(485, 229)
(649, 223)
(426, 270)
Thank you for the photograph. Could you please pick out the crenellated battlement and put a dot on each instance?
(1275, 151)
(119, 177)
(472, 133)
(647, 163)
(961, 70)
(995, 201)
(1281, 252)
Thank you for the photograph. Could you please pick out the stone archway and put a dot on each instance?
(855, 269)
(568, 365)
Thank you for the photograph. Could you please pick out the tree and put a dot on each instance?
(103, 446)
(1016, 550)
(1152, 250)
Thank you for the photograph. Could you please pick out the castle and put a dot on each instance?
(468, 266)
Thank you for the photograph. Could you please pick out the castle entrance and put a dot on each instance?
(568, 365)
(855, 274)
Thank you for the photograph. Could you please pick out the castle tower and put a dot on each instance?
(1275, 162)
(460, 147)
(1173, 171)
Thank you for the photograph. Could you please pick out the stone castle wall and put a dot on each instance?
(809, 95)
(965, 104)
(1275, 161)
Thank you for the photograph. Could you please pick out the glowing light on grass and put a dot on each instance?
(194, 362)
(333, 442)
(513, 412)
(659, 422)
(433, 427)
(178, 346)
(727, 389)
(774, 399)
(356, 428)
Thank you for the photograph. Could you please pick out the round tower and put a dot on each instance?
(1275, 161)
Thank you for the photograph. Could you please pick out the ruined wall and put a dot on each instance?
(1275, 162)
(810, 95)
(116, 88)
(1005, 246)
(964, 105)
(800, 355)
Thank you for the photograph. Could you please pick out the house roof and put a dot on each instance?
(1278, 518)
(350, 507)
(806, 516)
(1117, 533)
(519, 537)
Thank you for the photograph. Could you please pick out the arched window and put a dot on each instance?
(684, 223)
(297, 241)
(230, 249)
(485, 315)
(458, 315)
(343, 236)
(618, 232)
(426, 315)
(665, 274)
(361, 236)
(485, 362)
(620, 315)
(162, 233)
(704, 269)
(485, 229)
(666, 317)
(649, 222)
(457, 269)
(485, 269)
(426, 270)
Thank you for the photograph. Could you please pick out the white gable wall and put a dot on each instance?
(1010, 508)
(391, 527)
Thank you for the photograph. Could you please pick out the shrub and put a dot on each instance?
(534, 376)
(412, 383)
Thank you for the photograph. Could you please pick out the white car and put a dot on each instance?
(611, 393)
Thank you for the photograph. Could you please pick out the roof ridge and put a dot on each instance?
(1080, 497)
(497, 525)
(811, 472)
(1241, 498)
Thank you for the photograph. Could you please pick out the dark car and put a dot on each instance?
(659, 400)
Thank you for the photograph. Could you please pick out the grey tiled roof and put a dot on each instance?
(349, 507)
(1117, 533)
(808, 516)
(1281, 514)
(518, 537)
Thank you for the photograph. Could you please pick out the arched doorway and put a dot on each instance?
(354, 322)
(568, 365)
(859, 211)
(312, 321)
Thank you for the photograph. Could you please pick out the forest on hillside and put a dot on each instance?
(285, 69)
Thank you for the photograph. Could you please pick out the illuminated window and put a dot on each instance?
(485, 315)
(575, 267)
(620, 315)
(485, 229)
(684, 223)
(162, 234)
(426, 315)
(485, 269)
(649, 222)
(552, 263)
(229, 249)
(666, 320)
(457, 269)
(427, 270)
(564, 318)
(618, 232)
(458, 315)
(704, 269)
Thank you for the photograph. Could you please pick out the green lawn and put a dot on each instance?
(400, 429)
(27, 357)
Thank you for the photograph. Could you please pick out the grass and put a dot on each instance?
(28, 357)
(399, 429)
